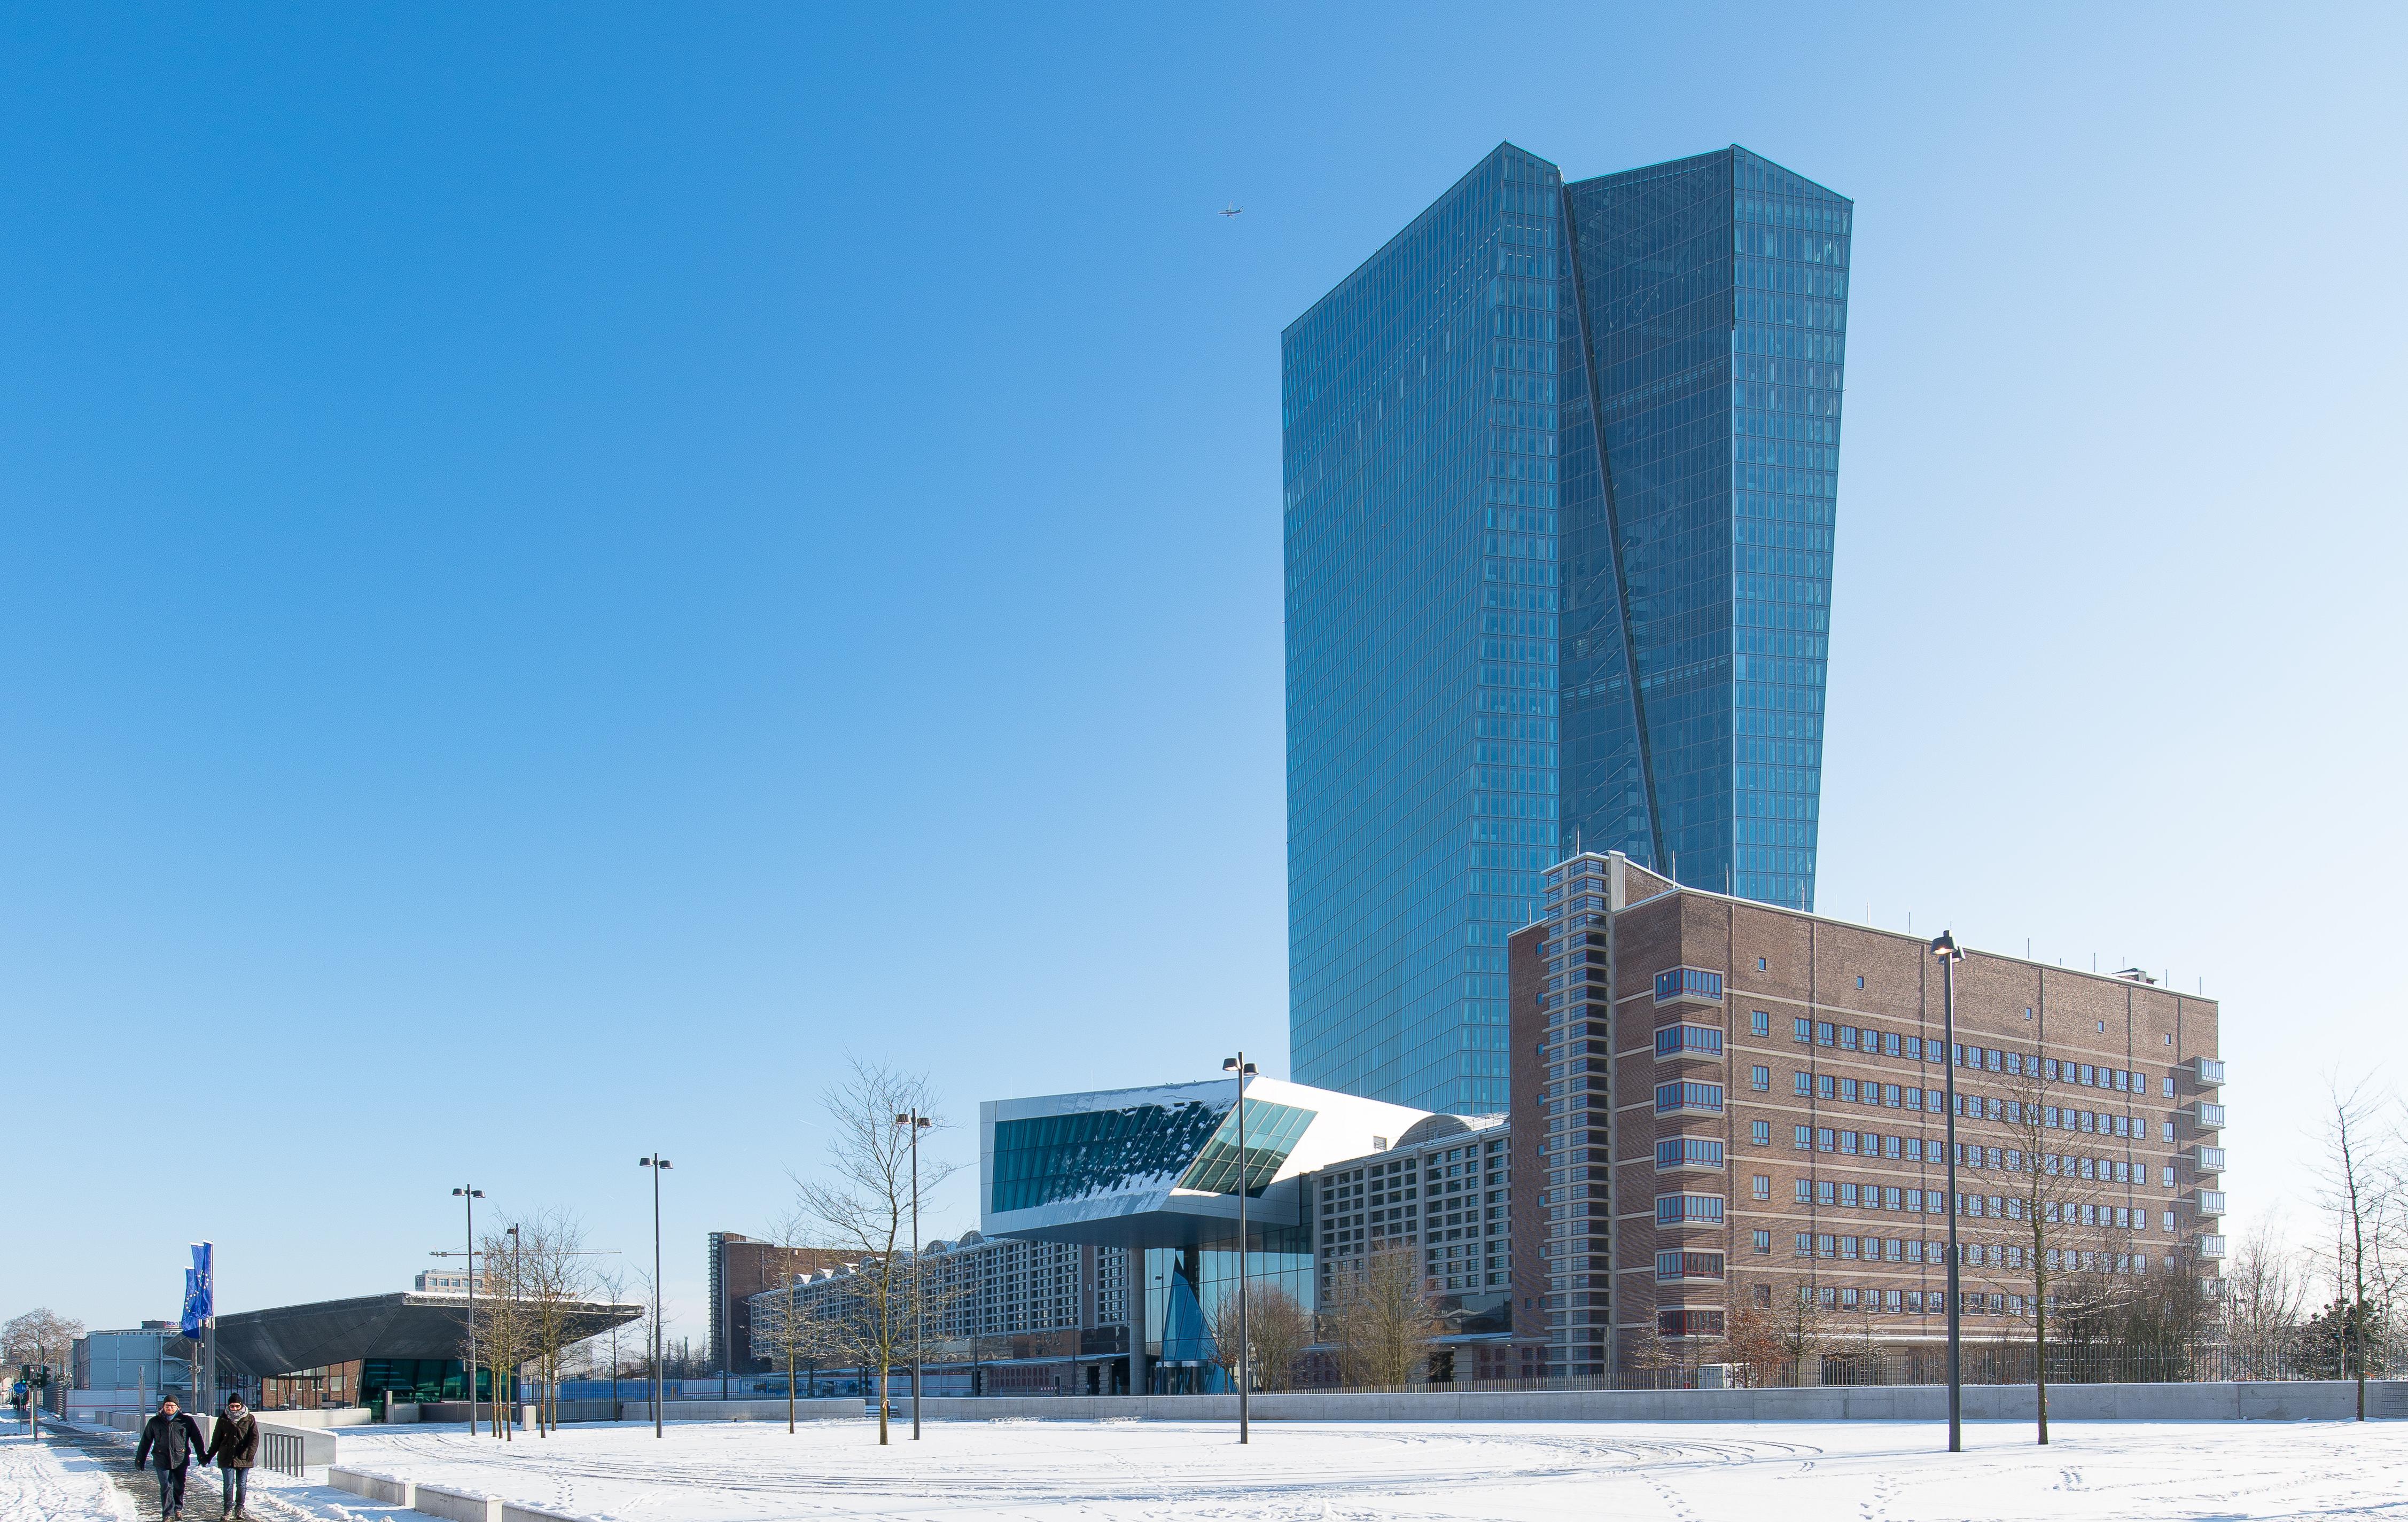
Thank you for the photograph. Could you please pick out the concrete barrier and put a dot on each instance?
(2302, 1401)
(333, 1417)
(456, 1506)
(318, 1445)
(514, 1512)
(399, 1412)
(819, 1408)
(381, 1487)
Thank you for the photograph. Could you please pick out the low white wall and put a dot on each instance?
(336, 1416)
(456, 1506)
(817, 1408)
(2325, 1399)
(379, 1487)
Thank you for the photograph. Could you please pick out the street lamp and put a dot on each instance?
(659, 1164)
(469, 1198)
(518, 1322)
(1945, 949)
(914, 1123)
(1244, 1070)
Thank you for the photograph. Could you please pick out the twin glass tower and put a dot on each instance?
(1560, 464)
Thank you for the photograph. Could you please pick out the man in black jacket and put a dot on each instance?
(234, 1444)
(176, 1439)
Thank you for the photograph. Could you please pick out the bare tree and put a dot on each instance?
(2266, 1300)
(1281, 1331)
(2361, 1193)
(644, 1332)
(1383, 1319)
(794, 1329)
(1753, 1337)
(610, 1284)
(504, 1327)
(39, 1336)
(864, 1205)
(1805, 1325)
(2052, 1202)
(556, 1280)
(42, 1337)
(1227, 1340)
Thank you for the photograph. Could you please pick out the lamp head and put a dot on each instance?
(1228, 1065)
(1944, 947)
(903, 1120)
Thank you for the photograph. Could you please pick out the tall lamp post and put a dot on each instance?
(517, 1320)
(659, 1164)
(469, 1198)
(915, 1124)
(1945, 949)
(1244, 1070)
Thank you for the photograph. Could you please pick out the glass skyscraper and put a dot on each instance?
(1560, 463)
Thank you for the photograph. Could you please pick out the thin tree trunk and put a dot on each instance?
(2040, 1359)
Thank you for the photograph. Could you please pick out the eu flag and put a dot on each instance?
(200, 1300)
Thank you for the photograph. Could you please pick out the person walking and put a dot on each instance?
(175, 1438)
(234, 1445)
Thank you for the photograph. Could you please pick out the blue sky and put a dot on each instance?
(565, 567)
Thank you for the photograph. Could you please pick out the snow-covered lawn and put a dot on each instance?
(1857, 1472)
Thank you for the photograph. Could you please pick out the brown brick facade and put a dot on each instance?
(1823, 1138)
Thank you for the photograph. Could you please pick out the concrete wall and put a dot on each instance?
(335, 1416)
(817, 1408)
(2325, 1399)
(456, 1506)
(439, 1500)
(376, 1488)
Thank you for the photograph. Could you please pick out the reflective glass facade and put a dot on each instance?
(1090, 1151)
(1184, 1286)
(1558, 469)
(1272, 1132)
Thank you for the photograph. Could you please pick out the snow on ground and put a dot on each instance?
(1166, 1471)
(39, 1483)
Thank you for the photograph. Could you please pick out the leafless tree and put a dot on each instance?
(2361, 1193)
(2053, 1202)
(863, 1205)
(504, 1324)
(557, 1279)
(1222, 1325)
(647, 1338)
(1753, 1339)
(1382, 1319)
(42, 1337)
(1281, 1331)
(793, 1328)
(610, 1285)
(2266, 1299)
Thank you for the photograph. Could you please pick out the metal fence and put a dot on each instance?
(1983, 1363)
(283, 1451)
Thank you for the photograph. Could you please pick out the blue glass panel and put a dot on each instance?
(1559, 471)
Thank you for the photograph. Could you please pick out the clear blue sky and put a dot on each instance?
(565, 566)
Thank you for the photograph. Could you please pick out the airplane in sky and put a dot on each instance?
(1232, 210)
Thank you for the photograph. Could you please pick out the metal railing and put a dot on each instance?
(284, 1453)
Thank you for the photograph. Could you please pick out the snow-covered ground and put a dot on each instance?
(39, 1483)
(1858, 1471)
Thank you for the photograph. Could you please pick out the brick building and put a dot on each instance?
(1715, 1098)
(1442, 1193)
(742, 1267)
